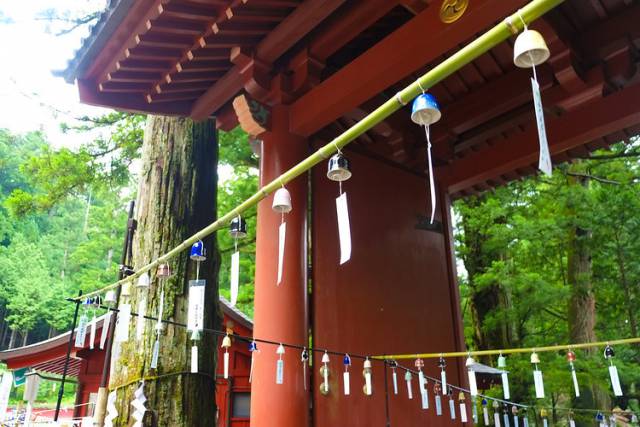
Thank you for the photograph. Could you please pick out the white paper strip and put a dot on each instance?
(505, 386)
(142, 311)
(505, 420)
(92, 333)
(156, 354)
(473, 385)
(496, 418)
(516, 421)
(576, 388)
(394, 376)
(81, 332)
(615, 380)
(280, 371)
(5, 391)
(195, 310)
(525, 422)
(443, 378)
(421, 381)
(545, 422)
(432, 184)
(452, 409)
(194, 359)
(226, 365)
(438, 400)
(344, 228)
(424, 394)
(325, 375)
(368, 388)
(122, 324)
(345, 381)
(485, 412)
(537, 379)
(235, 277)
(282, 236)
(105, 329)
(572, 422)
(544, 162)
(112, 411)
(463, 412)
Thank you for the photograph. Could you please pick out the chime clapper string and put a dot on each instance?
(494, 36)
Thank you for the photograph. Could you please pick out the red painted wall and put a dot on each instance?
(395, 295)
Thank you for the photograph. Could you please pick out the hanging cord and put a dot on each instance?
(432, 184)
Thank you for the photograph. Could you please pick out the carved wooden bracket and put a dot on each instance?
(253, 116)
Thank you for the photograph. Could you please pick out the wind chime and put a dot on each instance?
(96, 303)
(280, 365)
(436, 397)
(485, 411)
(339, 171)
(394, 375)
(544, 416)
(463, 407)
(237, 230)
(407, 378)
(226, 344)
(346, 361)
(109, 301)
(304, 358)
(324, 371)
(613, 371)
(530, 50)
(452, 404)
(366, 372)
(163, 273)
(282, 205)
(496, 413)
(537, 376)
(142, 286)
(473, 384)
(81, 330)
(514, 412)
(253, 349)
(442, 364)
(195, 310)
(571, 357)
(502, 364)
(422, 384)
(425, 111)
(505, 416)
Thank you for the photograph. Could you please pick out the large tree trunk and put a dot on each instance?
(12, 339)
(176, 198)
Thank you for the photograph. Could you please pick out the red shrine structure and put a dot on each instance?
(85, 366)
(295, 74)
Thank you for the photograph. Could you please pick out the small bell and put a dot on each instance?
(571, 356)
(282, 201)
(143, 281)
(530, 49)
(110, 298)
(425, 110)
(535, 358)
(338, 169)
(198, 252)
(608, 352)
(164, 271)
(238, 228)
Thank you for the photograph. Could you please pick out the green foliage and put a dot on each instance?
(515, 242)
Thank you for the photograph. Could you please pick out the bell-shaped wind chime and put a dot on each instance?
(253, 349)
(442, 364)
(226, 345)
(394, 375)
(368, 383)
(142, 285)
(163, 273)
(407, 378)
(282, 205)
(81, 330)
(571, 357)
(304, 359)
(237, 230)
(502, 364)
(463, 407)
(97, 302)
(280, 365)
(422, 384)
(530, 50)
(195, 310)
(613, 371)
(109, 301)
(425, 111)
(496, 414)
(485, 411)
(545, 417)
(452, 404)
(324, 371)
(516, 419)
(346, 361)
(339, 171)
(473, 383)
(537, 376)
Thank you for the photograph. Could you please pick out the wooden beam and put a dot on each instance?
(425, 37)
(300, 22)
(592, 121)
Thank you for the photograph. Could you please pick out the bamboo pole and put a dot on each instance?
(544, 349)
(496, 35)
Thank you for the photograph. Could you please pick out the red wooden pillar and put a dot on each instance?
(280, 311)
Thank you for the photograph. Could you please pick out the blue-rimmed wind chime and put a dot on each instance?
(195, 310)
(425, 111)
(338, 170)
(282, 205)
(613, 371)
(237, 230)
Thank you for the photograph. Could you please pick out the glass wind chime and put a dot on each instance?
(282, 205)
(339, 171)
(502, 364)
(237, 230)
(529, 51)
(195, 310)
(613, 371)
(425, 111)
(537, 376)
(163, 273)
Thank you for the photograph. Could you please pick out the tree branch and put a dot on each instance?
(595, 178)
